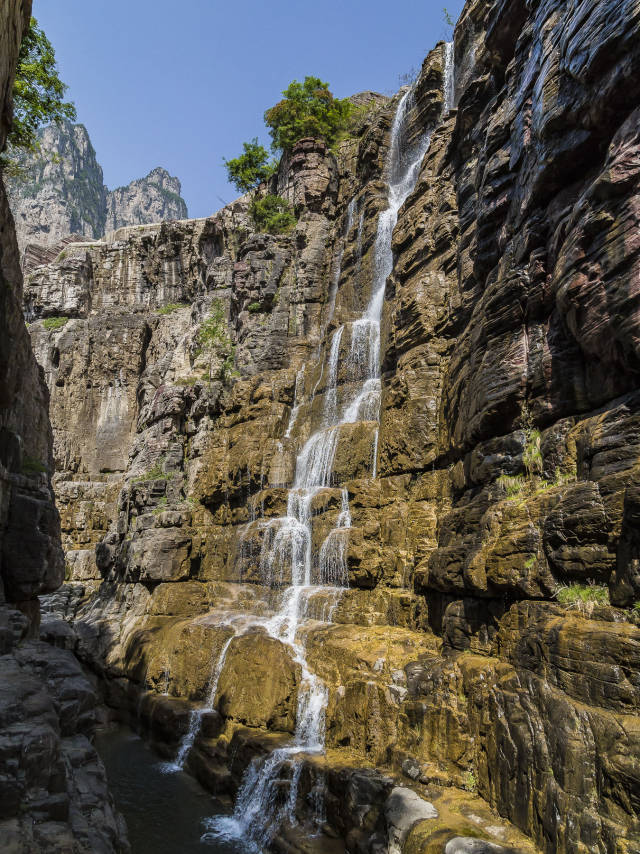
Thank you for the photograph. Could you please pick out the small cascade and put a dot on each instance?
(449, 79)
(352, 208)
(331, 394)
(296, 402)
(337, 262)
(332, 562)
(195, 718)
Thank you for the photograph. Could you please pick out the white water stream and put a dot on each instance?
(287, 556)
(288, 563)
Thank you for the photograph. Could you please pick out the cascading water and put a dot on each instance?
(333, 290)
(449, 78)
(195, 718)
(296, 402)
(287, 554)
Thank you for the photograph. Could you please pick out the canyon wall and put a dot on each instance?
(486, 650)
(53, 789)
(58, 191)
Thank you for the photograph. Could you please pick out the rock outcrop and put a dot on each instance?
(53, 789)
(59, 191)
(486, 652)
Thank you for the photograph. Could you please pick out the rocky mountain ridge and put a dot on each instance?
(59, 191)
(490, 465)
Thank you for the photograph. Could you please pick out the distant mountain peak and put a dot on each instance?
(61, 191)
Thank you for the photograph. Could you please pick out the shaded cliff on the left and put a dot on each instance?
(53, 788)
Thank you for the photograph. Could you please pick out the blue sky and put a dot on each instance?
(182, 83)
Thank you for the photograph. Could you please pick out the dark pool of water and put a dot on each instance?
(164, 811)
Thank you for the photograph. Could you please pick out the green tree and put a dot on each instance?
(272, 214)
(449, 24)
(308, 109)
(250, 169)
(38, 91)
(215, 341)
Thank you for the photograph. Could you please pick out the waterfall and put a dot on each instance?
(333, 552)
(449, 79)
(195, 718)
(296, 402)
(332, 382)
(287, 560)
(337, 263)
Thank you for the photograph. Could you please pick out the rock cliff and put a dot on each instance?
(53, 790)
(59, 190)
(453, 535)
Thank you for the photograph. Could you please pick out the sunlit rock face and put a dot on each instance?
(59, 191)
(379, 502)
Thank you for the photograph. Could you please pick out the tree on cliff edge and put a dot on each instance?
(38, 92)
(308, 109)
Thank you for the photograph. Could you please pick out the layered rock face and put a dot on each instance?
(438, 504)
(59, 191)
(53, 790)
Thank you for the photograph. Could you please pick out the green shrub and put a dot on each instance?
(449, 24)
(170, 307)
(272, 214)
(215, 341)
(254, 307)
(308, 110)
(470, 782)
(250, 169)
(636, 607)
(187, 381)
(156, 472)
(54, 322)
(582, 596)
(30, 466)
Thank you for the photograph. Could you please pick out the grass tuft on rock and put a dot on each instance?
(170, 307)
(54, 322)
(532, 456)
(156, 472)
(512, 484)
(583, 597)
